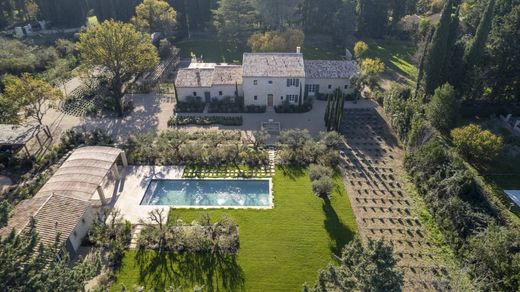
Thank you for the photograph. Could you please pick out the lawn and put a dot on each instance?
(397, 56)
(280, 249)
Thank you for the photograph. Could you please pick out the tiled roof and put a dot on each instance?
(329, 69)
(194, 77)
(227, 75)
(54, 214)
(59, 215)
(202, 76)
(273, 65)
(21, 215)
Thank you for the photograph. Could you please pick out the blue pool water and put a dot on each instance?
(207, 192)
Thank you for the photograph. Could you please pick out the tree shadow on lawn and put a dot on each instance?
(338, 232)
(292, 172)
(213, 271)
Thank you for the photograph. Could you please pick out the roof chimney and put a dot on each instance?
(298, 50)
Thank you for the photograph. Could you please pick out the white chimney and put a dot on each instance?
(298, 50)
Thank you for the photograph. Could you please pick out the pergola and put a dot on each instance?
(15, 137)
(83, 173)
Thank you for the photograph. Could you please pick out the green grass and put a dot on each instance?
(280, 249)
(397, 56)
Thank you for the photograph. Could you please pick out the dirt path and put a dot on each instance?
(372, 160)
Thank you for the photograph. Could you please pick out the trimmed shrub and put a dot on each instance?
(317, 171)
(288, 108)
(256, 109)
(205, 121)
(228, 104)
(193, 104)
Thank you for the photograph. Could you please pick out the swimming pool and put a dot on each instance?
(209, 193)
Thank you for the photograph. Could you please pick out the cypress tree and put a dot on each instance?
(475, 48)
(339, 115)
(438, 50)
(327, 110)
(453, 66)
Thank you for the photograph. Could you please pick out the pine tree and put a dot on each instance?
(475, 48)
(438, 50)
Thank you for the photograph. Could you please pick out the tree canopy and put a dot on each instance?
(34, 96)
(155, 16)
(274, 41)
(120, 50)
(24, 259)
(370, 268)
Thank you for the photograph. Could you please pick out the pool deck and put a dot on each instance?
(133, 185)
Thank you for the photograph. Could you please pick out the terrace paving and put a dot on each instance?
(372, 160)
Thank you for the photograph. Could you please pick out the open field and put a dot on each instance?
(280, 249)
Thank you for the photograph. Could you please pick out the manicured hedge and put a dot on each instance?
(191, 105)
(205, 120)
(292, 108)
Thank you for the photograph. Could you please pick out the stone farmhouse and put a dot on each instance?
(267, 79)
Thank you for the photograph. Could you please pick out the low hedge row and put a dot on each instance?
(291, 108)
(205, 121)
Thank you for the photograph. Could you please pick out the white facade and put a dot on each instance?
(271, 91)
(327, 86)
(267, 79)
(216, 91)
(82, 228)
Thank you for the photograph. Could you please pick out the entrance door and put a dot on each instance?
(270, 100)
(207, 96)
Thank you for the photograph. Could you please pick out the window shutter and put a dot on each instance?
(288, 82)
(297, 82)
(317, 88)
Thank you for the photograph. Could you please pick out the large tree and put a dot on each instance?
(234, 20)
(34, 96)
(311, 14)
(502, 73)
(476, 46)
(155, 16)
(120, 50)
(277, 14)
(372, 18)
(343, 24)
(274, 41)
(370, 268)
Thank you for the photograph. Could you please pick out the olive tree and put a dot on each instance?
(34, 96)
